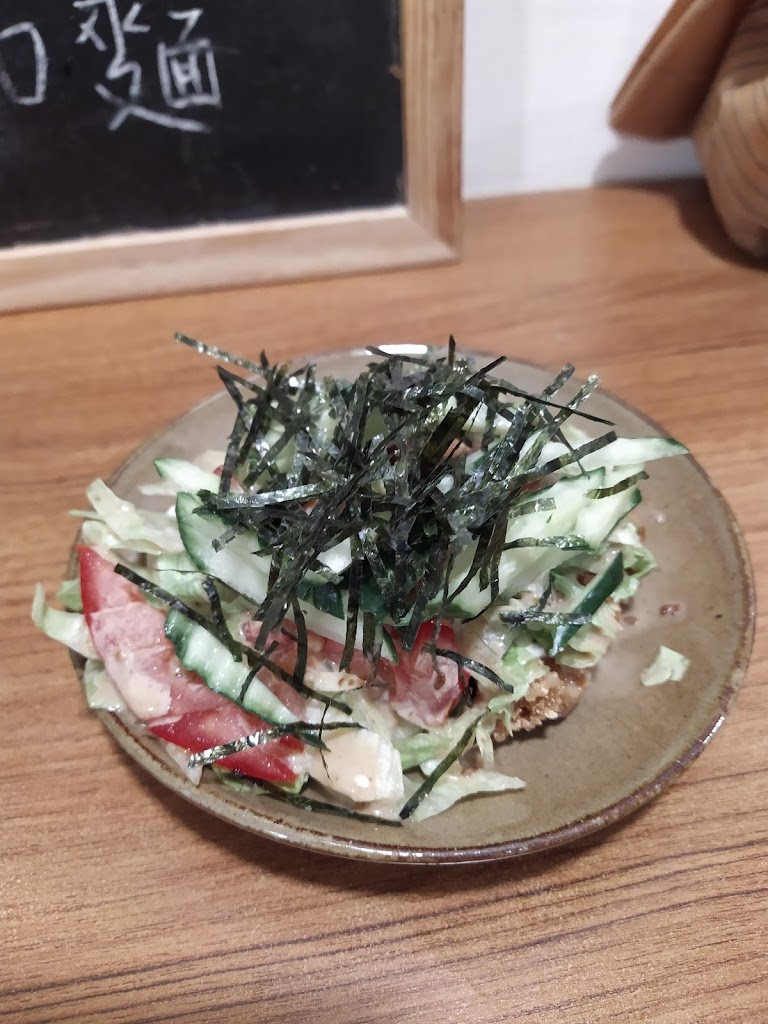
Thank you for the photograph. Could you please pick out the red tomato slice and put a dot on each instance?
(283, 652)
(359, 666)
(128, 634)
(424, 689)
(100, 587)
(200, 730)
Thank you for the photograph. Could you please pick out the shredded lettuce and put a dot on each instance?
(69, 595)
(161, 489)
(588, 644)
(181, 757)
(178, 574)
(500, 707)
(638, 560)
(566, 584)
(522, 664)
(667, 667)
(100, 691)
(457, 784)
(68, 628)
(145, 532)
(422, 747)
(594, 647)
(187, 476)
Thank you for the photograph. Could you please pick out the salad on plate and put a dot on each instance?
(375, 584)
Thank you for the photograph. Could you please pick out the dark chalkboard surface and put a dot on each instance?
(155, 146)
(120, 115)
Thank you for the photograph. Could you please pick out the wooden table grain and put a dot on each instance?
(119, 903)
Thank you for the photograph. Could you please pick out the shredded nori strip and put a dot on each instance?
(475, 668)
(310, 804)
(303, 730)
(622, 485)
(434, 777)
(256, 659)
(353, 608)
(217, 614)
(380, 486)
(573, 455)
(416, 462)
(163, 595)
(569, 542)
(217, 353)
(259, 499)
(545, 618)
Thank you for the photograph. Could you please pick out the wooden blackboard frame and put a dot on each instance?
(425, 229)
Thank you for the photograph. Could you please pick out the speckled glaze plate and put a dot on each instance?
(624, 742)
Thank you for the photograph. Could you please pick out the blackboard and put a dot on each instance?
(126, 122)
(119, 115)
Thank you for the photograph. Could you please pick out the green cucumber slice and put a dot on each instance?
(200, 651)
(235, 564)
(239, 568)
(629, 451)
(186, 475)
(519, 567)
(595, 595)
(599, 517)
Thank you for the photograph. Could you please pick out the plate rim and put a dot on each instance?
(224, 804)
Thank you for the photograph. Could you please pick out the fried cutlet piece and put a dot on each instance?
(553, 696)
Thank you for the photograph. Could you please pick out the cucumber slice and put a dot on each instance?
(521, 566)
(624, 451)
(594, 596)
(186, 475)
(628, 451)
(599, 517)
(199, 651)
(235, 564)
(239, 568)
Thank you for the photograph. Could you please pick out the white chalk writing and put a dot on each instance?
(188, 74)
(119, 27)
(185, 64)
(186, 68)
(40, 56)
(190, 19)
(128, 109)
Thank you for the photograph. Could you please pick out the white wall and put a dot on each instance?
(539, 76)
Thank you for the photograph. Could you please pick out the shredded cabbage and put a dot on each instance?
(667, 667)
(422, 747)
(638, 560)
(68, 594)
(456, 784)
(68, 628)
(522, 664)
(127, 527)
(100, 691)
(181, 757)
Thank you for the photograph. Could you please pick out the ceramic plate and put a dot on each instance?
(624, 742)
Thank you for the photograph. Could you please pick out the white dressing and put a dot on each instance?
(359, 764)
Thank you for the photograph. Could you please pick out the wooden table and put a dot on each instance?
(120, 903)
